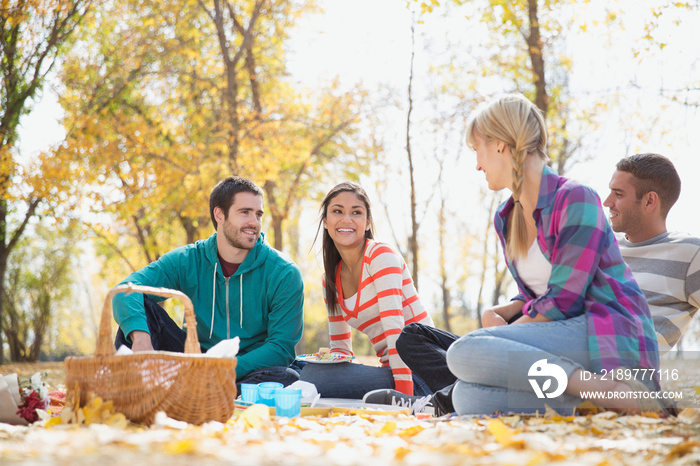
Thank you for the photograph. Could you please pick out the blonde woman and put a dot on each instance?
(579, 315)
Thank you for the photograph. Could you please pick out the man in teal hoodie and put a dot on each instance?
(239, 285)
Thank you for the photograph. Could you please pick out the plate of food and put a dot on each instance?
(324, 356)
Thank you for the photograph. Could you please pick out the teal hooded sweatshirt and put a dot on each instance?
(262, 303)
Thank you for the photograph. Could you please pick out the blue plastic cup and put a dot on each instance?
(266, 392)
(288, 402)
(249, 392)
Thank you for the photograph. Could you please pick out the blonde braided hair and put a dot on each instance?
(515, 121)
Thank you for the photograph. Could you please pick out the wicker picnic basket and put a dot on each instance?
(187, 386)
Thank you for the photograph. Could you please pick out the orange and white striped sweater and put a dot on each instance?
(385, 302)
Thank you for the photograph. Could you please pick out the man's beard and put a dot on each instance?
(236, 238)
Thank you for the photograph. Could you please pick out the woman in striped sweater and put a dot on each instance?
(367, 287)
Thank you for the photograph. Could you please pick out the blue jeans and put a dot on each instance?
(351, 380)
(166, 335)
(495, 366)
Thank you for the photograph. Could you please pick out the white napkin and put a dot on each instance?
(124, 350)
(225, 348)
(308, 390)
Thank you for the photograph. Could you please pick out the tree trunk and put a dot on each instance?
(534, 48)
(484, 259)
(275, 214)
(6, 248)
(443, 269)
(40, 325)
(413, 239)
(3, 268)
(293, 230)
(277, 230)
(191, 231)
(500, 274)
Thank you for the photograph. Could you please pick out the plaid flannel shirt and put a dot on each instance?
(588, 275)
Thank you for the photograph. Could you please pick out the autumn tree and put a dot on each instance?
(290, 133)
(520, 47)
(39, 280)
(33, 35)
(662, 17)
(169, 97)
(320, 140)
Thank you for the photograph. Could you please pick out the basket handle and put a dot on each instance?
(105, 347)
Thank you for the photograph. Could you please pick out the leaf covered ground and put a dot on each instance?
(597, 439)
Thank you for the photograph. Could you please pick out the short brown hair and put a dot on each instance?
(653, 172)
(223, 194)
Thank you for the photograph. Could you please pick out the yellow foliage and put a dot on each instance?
(181, 447)
(54, 421)
(387, 428)
(155, 126)
(504, 435)
(411, 431)
(96, 411)
(254, 416)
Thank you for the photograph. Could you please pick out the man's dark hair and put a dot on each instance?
(223, 194)
(653, 172)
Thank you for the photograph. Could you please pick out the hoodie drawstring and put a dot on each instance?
(213, 301)
(241, 305)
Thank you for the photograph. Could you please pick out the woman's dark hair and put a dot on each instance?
(331, 256)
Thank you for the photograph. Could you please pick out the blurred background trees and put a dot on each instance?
(33, 36)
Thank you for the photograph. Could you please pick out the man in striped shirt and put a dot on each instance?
(666, 265)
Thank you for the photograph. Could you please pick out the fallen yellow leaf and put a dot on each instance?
(689, 416)
(411, 431)
(117, 420)
(510, 421)
(254, 416)
(180, 447)
(387, 428)
(401, 452)
(503, 434)
(587, 407)
(543, 457)
(683, 449)
(93, 411)
(549, 412)
(54, 421)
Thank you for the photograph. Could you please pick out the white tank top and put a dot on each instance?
(350, 302)
(534, 270)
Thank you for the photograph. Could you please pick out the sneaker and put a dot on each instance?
(387, 396)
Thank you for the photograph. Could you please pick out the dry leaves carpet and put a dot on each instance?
(102, 437)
